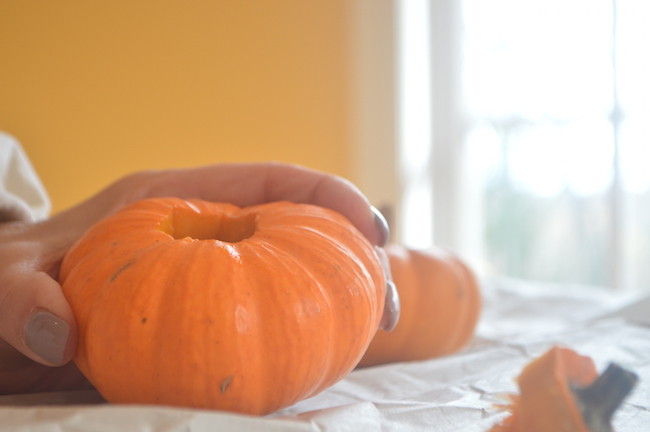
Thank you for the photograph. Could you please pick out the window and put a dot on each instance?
(538, 154)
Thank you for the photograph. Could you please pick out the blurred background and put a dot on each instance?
(513, 132)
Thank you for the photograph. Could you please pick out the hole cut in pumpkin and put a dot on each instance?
(185, 223)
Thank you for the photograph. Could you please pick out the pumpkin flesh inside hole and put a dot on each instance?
(186, 223)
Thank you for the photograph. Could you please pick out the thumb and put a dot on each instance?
(35, 317)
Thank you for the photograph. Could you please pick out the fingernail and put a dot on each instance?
(390, 316)
(47, 335)
(382, 227)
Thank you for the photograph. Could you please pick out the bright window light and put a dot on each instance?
(414, 121)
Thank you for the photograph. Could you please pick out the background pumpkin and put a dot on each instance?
(207, 305)
(440, 306)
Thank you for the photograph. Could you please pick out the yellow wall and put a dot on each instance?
(94, 90)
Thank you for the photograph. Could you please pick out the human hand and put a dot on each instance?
(37, 327)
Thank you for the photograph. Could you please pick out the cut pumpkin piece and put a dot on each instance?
(562, 392)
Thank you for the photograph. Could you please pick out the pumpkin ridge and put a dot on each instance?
(306, 239)
(294, 266)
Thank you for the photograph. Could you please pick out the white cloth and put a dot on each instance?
(22, 195)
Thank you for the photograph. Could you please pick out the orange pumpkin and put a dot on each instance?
(561, 391)
(199, 304)
(440, 306)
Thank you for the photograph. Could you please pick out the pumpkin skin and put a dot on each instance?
(207, 305)
(439, 307)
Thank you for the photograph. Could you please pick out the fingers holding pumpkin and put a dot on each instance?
(292, 183)
(242, 184)
(257, 183)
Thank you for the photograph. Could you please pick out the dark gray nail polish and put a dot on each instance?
(47, 335)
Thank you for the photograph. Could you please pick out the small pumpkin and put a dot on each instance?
(208, 305)
(439, 307)
(562, 391)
